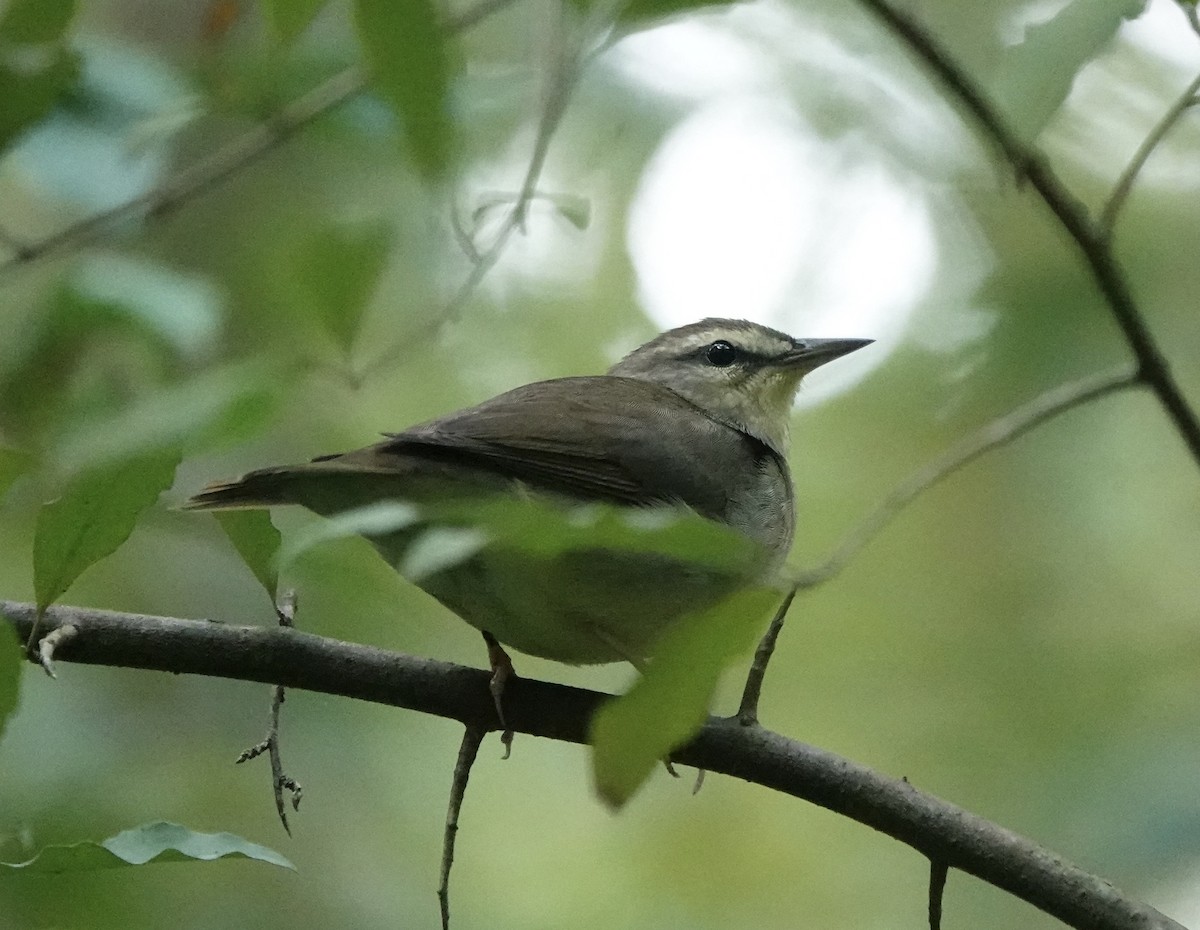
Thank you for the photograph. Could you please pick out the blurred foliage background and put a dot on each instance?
(1022, 641)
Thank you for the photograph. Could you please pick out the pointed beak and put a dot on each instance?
(811, 353)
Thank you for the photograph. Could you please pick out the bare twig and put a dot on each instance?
(938, 871)
(467, 752)
(934, 827)
(565, 71)
(230, 158)
(285, 612)
(1120, 192)
(748, 709)
(1087, 235)
(991, 435)
(1190, 11)
(205, 173)
(997, 432)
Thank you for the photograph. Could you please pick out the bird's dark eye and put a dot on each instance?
(721, 354)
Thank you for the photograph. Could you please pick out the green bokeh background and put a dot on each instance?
(1021, 641)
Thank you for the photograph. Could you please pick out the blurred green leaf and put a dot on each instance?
(669, 703)
(257, 541)
(222, 406)
(29, 93)
(640, 13)
(335, 272)
(410, 66)
(1036, 74)
(116, 328)
(542, 528)
(93, 517)
(371, 520)
(145, 845)
(289, 18)
(13, 464)
(11, 655)
(36, 21)
(440, 548)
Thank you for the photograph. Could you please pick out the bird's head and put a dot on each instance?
(738, 372)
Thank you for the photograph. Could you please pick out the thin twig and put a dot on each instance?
(285, 612)
(748, 709)
(1116, 200)
(565, 71)
(938, 872)
(991, 435)
(228, 160)
(934, 827)
(467, 752)
(1193, 16)
(1088, 236)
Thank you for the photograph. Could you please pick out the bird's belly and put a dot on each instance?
(581, 607)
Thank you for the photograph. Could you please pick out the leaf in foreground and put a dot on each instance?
(149, 843)
(94, 516)
(669, 703)
(257, 541)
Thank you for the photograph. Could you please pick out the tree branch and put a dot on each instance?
(1120, 192)
(1088, 236)
(936, 828)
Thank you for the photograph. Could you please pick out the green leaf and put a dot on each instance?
(289, 18)
(669, 703)
(32, 22)
(643, 13)
(257, 542)
(13, 464)
(144, 845)
(371, 520)
(405, 48)
(1036, 74)
(28, 94)
(218, 407)
(11, 653)
(336, 271)
(93, 517)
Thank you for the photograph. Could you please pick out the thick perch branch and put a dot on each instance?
(939, 830)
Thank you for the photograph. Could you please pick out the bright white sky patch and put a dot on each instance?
(744, 212)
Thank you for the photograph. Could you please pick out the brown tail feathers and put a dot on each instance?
(262, 488)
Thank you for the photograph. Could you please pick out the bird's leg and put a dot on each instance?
(502, 671)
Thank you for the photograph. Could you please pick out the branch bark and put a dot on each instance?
(939, 830)
(1089, 236)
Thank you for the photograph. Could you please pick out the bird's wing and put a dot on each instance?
(603, 438)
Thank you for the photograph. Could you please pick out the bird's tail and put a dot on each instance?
(263, 488)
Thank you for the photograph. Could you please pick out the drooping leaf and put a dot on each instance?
(289, 18)
(337, 270)
(669, 703)
(1036, 74)
(257, 541)
(33, 22)
(410, 65)
(148, 844)
(93, 517)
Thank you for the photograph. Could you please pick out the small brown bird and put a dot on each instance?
(694, 420)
